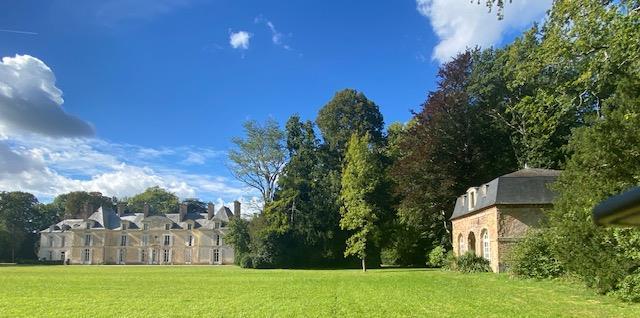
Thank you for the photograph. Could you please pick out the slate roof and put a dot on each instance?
(526, 186)
(105, 218)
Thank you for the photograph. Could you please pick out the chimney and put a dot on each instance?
(146, 210)
(183, 211)
(236, 208)
(120, 207)
(87, 210)
(211, 211)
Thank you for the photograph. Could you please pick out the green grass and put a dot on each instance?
(194, 291)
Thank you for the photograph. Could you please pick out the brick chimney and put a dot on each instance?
(145, 210)
(211, 211)
(183, 211)
(236, 208)
(121, 206)
(87, 210)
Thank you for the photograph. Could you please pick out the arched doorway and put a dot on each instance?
(471, 243)
(460, 244)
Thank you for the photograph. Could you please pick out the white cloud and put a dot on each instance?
(276, 37)
(240, 40)
(31, 102)
(461, 24)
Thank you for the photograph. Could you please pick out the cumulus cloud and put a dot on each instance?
(240, 40)
(31, 102)
(461, 24)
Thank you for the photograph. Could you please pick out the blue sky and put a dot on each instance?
(165, 84)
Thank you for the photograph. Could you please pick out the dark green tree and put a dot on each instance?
(160, 201)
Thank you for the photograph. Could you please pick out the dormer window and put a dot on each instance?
(472, 200)
(485, 189)
(189, 226)
(124, 225)
(167, 227)
(146, 226)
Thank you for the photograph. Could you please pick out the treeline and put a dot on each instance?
(563, 95)
(22, 217)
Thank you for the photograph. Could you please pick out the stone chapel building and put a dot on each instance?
(108, 237)
(487, 220)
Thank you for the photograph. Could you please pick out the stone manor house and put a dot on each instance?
(487, 220)
(108, 237)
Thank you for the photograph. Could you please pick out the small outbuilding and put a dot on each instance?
(487, 220)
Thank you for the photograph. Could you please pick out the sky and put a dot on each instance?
(119, 95)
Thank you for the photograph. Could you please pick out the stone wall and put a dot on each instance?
(476, 223)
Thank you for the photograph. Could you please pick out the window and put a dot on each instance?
(153, 256)
(167, 240)
(50, 255)
(143, 256)
(146, 226)
(486, 246)
(86, 255)
(216, 255)
(62, 243)
(87, 240)
(121, 256)
(51, 239)
(216, 225)
(165, 256)
(62, 256)
(167, 227)
(145, 240)
(124, 225)
(460, 245)
(190, 240)
(189, 226)
(472, 200)
(187, 256)
(123, 240)
(217, 238)
(485, 189)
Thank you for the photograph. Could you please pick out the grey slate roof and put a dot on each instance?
(526, 186)
(105, 218)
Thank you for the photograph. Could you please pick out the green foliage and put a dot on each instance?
(21, 218)
(437, 257)
(629, 288)
(470, 263)
(533, 258)
(604, 163)
(360, 179)
(238, 237)
(245, 261)
(160, 201)
(258, 159)
(348, 113)
(74, 203)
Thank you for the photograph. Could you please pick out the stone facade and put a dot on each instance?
(105, 237)
(488, 220)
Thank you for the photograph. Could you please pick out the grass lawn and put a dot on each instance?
(207, 291)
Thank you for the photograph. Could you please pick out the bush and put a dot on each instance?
(470, 263)
(437, 257)
(449, 261)
(629, 287)
(533, 258)
(246, 261)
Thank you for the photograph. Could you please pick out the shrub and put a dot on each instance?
(470, 263)
(449, 261)
(437, 257)
(629, 287)
(533, 258)
(246, 261)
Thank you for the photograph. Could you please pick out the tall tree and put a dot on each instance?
(19, 219)
(349, 112)
(74, 203)
(160, 201)
(360, 180)
(258, 159)
(452, 145)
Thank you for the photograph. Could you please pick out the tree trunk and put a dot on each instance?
(364, 265)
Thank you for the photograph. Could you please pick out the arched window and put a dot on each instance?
(486, 245)
(471, 243)
(460, 245)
